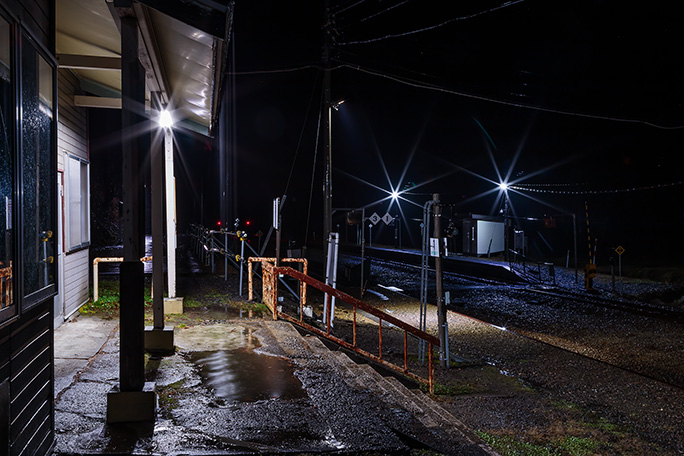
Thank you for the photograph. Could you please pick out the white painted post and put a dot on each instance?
(170, 212)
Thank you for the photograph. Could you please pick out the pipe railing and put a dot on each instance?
(96, 274)
(270, 291)
(540, 270)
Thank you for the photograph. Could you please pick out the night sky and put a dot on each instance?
(571, 98)
(608, 79)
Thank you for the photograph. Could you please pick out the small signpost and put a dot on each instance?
(375, 218)
(387, 218)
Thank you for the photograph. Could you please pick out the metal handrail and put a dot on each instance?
(525, 261)
(270, 286)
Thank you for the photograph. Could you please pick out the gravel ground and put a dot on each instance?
(563, 377)
(543, 375)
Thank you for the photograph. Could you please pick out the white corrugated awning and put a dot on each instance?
(182, 58)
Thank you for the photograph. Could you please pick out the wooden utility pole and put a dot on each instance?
(327, 136)
(441, 305)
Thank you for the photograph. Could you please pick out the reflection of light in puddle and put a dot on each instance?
(242, 375)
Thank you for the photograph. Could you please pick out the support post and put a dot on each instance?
(158, 337)
(132, 400)
(132, 373)
(157, 215)
(441, 307)
(170, 212)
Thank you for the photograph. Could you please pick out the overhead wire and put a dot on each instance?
(432, 27)
(313, 174)
(373, 15)
(349, 7)
(301, 134)
(423, 85)
(384, 11)
(281, 70)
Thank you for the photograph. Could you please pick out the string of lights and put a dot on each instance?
(553, 185)
(526, 188)
(433, 27)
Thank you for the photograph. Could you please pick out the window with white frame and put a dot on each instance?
(78, 212)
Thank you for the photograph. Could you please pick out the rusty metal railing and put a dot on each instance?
(267, 288)
(270, 291)
(6, 286)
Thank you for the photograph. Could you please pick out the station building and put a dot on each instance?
(58, 58)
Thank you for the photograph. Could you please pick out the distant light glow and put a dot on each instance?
(165, 119)
(503, 186)
(394, 194)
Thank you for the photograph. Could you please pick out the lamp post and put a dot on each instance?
(504, 188)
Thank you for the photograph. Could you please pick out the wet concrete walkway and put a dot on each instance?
(244, 387)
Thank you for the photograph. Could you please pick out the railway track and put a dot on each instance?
(597, 299)
(630, 306)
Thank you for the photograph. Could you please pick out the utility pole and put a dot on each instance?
(441, 305)
(327, 137)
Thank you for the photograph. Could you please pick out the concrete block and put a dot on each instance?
(131, 406)
(159, 340)
(173, 305)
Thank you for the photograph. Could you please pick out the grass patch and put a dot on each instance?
(108, 300)
(450, 389)
(578, 446)
(509, 446)
(567, 446)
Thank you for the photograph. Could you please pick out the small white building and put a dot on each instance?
(483, 235)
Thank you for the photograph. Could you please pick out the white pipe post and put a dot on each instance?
(170, 212)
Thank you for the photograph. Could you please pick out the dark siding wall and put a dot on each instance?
(26, 344)
(37, 16)
(31, 381)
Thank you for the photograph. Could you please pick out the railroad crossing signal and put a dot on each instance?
(620, 250)
(375, 218)
(387, 218)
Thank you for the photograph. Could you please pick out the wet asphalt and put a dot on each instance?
(243, 387)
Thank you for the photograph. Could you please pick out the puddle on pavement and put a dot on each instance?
(246, 376)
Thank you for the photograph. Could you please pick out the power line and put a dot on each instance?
(301, 134)
(281, 70)
(423, 85)
(384, 11)
(349, 7)
(432, 27)
(375, 14)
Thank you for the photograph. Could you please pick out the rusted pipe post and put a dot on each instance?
(431, 373)
(249, 279)
(354, 328)
(380, 338)
(405, 350)
(274, 288)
